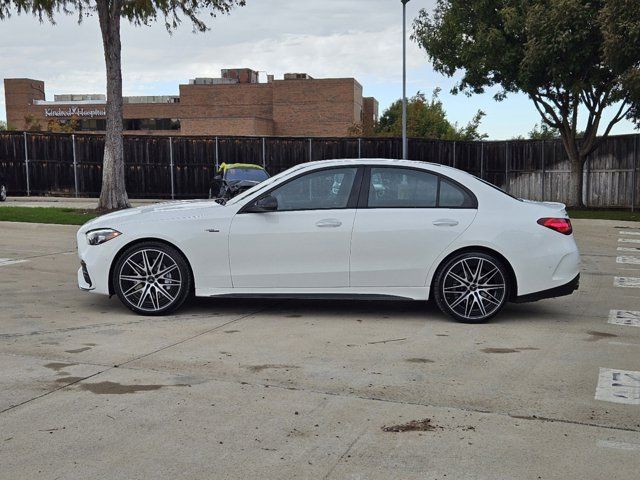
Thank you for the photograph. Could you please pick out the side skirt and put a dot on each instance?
(364, 293)
(316, 296)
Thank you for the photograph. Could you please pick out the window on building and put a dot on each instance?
(151, 124)
(100, 124)
(92, 125)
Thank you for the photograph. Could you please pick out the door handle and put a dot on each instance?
(445, 222)
(328, 222)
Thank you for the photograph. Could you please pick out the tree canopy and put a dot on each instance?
(543, 132)
(110, 14)
(138, 12)
(566, 55)
(426, 118)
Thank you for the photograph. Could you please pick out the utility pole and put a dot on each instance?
(404, 79)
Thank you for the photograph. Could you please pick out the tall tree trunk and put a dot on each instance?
(576, 163)
(113, 194)
(576, 182)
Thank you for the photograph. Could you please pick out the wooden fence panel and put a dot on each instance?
(538, 170)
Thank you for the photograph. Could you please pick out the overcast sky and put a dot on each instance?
(325, 38)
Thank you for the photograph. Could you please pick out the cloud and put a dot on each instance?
(325, 38)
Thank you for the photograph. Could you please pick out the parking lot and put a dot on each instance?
(297, 389)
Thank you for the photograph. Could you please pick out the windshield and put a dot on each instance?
(253, 174)
(263, 185)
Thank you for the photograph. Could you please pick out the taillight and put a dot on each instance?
(562, 225)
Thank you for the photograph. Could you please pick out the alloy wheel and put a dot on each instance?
(474, 288)
(150, 280)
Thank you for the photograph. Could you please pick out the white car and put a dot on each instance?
(339, 228)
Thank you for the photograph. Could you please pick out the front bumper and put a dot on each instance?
(84, 279)
(95, 263)
(561, 291)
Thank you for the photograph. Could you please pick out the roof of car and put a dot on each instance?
(373, 161)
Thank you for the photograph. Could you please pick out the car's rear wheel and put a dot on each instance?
(152, 278)
(472, 287)
(3, 192)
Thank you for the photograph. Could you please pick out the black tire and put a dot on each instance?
(472, 287)
(152, 278)
(3, 192)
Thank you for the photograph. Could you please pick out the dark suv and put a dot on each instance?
(234, 178)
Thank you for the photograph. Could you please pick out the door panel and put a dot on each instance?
(395, 247)
(305, 242)
(291, 249)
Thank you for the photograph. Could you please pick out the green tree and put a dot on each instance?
(63, 126)
(427, 119)
(110, 14)
(32, 124)
(3, 125)
(543, 132)
(568, 56)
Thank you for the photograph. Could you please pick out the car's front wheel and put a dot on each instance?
(472, 287)
(152, 278)
(3, 192)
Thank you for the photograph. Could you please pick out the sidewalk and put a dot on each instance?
(67, 202)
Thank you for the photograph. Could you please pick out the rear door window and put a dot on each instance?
(402, 188)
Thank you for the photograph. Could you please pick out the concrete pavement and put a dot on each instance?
(291, 389)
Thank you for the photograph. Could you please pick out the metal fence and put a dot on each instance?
(181, 167)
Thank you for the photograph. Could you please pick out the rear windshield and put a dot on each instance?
(497, 188)
(253, 174)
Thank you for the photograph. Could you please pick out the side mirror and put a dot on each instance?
(265, 204)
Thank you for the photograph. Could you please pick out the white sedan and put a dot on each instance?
(334, 229)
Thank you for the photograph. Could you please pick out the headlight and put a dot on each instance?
(101, 235)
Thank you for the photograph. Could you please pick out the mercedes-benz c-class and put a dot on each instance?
(362, 228)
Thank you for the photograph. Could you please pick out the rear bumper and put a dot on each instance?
(561, 291)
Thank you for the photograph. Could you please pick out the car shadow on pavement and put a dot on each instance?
(543, 312)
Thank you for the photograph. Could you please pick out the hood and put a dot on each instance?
(164, 211)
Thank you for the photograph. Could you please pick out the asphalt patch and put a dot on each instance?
(418, 360)
(595, 336)
(58, 366)
(114, 388)
(507, 350)
(78, 350)
(259, 368)
(423, 425)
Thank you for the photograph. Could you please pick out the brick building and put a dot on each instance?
(235, 104)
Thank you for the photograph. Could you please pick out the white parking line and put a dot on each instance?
(626, 282)
(618, 386)
(624, 317)
(629, 233)
(629, 249)
(618, 445)
(8, 261)
(629, 240)
(630, 260)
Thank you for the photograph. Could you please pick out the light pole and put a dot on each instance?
(404, 79)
